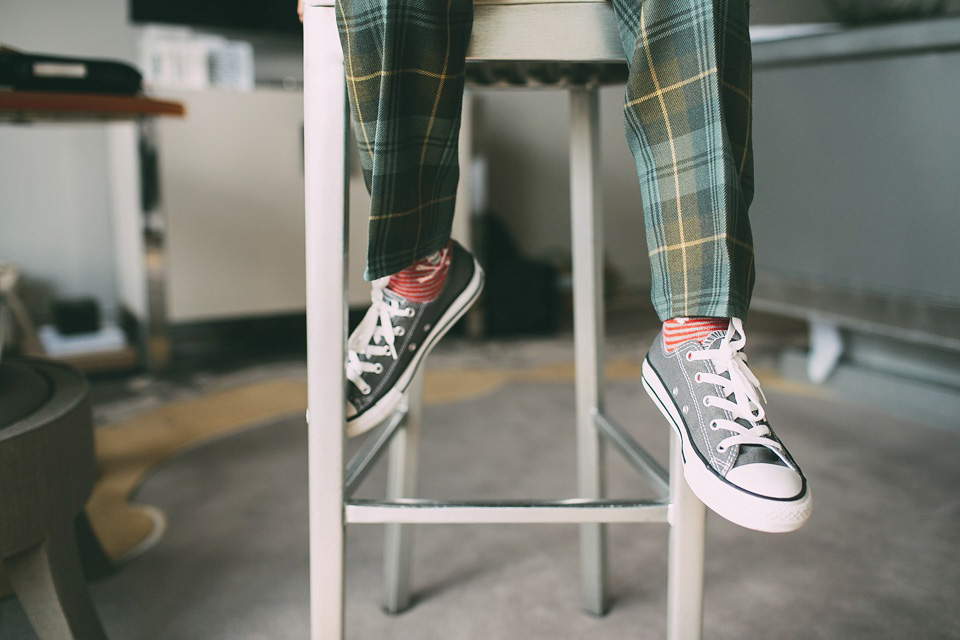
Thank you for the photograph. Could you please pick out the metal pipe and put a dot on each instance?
(402, 483)
(366, 457)
(575, 510)
(685, 566)
(634, 453)
(587, 234)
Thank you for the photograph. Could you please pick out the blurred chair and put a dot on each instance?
(46, 475)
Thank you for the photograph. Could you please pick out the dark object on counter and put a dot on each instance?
(248, 15)
(35, 72)
(76, 316)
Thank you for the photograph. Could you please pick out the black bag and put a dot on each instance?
(33, 72)
(521, 296)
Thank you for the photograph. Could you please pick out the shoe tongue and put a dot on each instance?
(389, 294)
(754, 454)
(712, 338)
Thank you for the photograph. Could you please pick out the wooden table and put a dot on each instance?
(31, 106)
(142, 213)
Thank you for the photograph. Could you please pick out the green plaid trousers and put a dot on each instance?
(687, 115)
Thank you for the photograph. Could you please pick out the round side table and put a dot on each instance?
(46, 475)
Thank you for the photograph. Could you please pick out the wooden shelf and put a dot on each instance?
(31, 106)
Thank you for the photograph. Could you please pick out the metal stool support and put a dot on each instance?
(587, 237)
(332, 484)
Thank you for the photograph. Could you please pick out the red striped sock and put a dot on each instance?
(676, 331)
(423, 280)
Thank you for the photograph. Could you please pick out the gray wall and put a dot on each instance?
(92, 28)
(525, 137)
(857, 164)
(787, 11)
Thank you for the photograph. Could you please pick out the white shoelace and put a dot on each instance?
(374, 336)
(742, 395)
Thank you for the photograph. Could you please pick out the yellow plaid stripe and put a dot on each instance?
(422, 72)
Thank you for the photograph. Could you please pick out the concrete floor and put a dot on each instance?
(875, 561)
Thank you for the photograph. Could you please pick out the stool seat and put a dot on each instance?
(47, 472)
(556, 30)
(540, 30)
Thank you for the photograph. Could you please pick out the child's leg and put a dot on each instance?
(687, 115)
(404, 63)
(687, 118)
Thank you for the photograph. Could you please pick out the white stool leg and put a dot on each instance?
(402, 483)
(587, 232)
(326, 233)
(685, 573)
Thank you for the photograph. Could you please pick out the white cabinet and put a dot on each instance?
(231, 178)
(231, 175)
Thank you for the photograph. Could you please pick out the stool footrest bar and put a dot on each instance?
(634, 453)
(373, 447)
(574, 510)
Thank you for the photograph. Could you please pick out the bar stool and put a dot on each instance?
(569, 32)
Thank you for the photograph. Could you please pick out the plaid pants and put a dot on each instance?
(687, 115)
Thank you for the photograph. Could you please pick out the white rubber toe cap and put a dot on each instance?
(771, 480)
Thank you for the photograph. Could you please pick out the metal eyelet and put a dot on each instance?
(426, 327)
(689, 355)
(721, 448)
(696, 378)
(685, 409)
(412, 347)
(379, 368)
(676, 391)
(714, 425)
(399, 331)
(706, 401)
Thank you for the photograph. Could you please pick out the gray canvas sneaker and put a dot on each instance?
(394, 337)
(732, 460)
